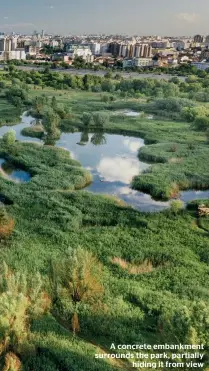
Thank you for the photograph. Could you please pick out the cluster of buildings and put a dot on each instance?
(110, 50)
(10, 48)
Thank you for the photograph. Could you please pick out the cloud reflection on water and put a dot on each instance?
(118, 169)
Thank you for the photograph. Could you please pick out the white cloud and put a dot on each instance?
(188, 17)
(51, 7)
(126, 191)
(6, 17)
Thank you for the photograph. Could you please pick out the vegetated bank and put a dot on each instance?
(89, 271)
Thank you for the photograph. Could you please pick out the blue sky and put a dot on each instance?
(159, 17)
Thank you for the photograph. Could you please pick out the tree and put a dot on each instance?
(105, 98)
(201, 123)
(6, 224)
(118, 76)
(50, 122)
(207, 134)
(21, 300)
(9, 138)
(39, 102)
(2, 85)
(87, 119)
(190, 113)
(54, 103)
(176, 206)
(108, 75)
(100, 119)
(16, 92)
(79, 274)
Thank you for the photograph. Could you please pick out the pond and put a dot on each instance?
(10, 172)
(112, 160)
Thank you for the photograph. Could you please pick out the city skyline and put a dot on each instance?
(133, 17)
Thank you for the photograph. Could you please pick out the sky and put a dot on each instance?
(132, 17)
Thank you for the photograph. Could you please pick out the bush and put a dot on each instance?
(100, 119)
(191, 113)
(9, 138)
(201, 123)
(6, 224)
(176, 206)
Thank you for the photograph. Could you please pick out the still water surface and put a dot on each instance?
(10, 172)
(112, 160)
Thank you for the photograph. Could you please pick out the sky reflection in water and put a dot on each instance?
(113, 161)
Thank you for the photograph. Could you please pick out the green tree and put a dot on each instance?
(108, 75)
(21, 300)
(100, 119)
(201, 123)
(176, 206)
(16, 94)
(78, 277)
(9, 138)
(54, 103)
(87, 119)
(207, 134)
(50, 123)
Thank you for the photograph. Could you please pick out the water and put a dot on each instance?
(130, 113)
(11, 172)
(112, 160)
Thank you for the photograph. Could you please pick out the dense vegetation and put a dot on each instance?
(83, 271)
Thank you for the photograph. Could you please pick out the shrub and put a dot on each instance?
(6, 224)
(9, 137)
(176, 206)
(201, 123)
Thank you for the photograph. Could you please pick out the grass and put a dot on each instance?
(8, 113)
(179, 167)
(35, 131)
(50, 167)
(179, 154)
(155, 266)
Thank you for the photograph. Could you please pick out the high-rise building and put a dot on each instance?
(131, 51)
(149, 52)
(2, 44)
(207, 39)
(143, 51)
(114, 49)
(95, 48)
(123, 50)
(5, 44)
(14, 43)
(198, 39)
(137, 50)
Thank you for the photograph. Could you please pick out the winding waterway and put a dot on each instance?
(112, 160)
